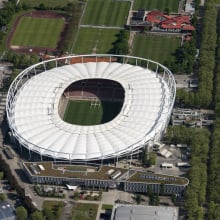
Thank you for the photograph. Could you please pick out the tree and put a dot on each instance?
(42, 6)
(138, 198)
(167, 11)
(173, 198)
(2, 197)
(152, 158)
(49, 215)
(148, 159)
(144, 156)
(37, 215)
(21, 213)
(1, 175)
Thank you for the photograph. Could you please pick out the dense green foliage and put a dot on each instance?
(207, 56)
(184, 58)
(6, 13)
(204, 96)
(37, 215)
(148, 158)
(121, 44)
(198, 140)
(21, 213)
(214, 177)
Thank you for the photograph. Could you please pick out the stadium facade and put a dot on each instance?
(35, 97)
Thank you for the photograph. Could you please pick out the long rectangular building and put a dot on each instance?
(100, 177)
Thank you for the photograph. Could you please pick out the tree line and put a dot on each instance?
(198, 140)
(214, 165)
(203, 98)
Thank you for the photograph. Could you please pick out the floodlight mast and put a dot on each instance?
(160, 73)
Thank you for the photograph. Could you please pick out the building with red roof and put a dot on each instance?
(164, 22)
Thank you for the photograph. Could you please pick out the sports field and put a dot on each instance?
(106, 12)
(38, 32)
(156, 4)
(95, 40)
(90, 112)
(157, 48)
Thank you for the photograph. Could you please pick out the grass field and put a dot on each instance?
(157, 48)
(47, 3)
(156, 4)
(38, 32)
(107, 206)
(85, 211)
(55, 207)
(106, 12)
(95, 40)
(83, 113)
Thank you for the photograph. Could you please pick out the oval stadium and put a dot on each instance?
(90, 107)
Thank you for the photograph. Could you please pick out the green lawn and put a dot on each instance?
(84, 113)
(107, 206)
(47, 3)
(106, 12)
(95, 40)
(38, 32)
(156, 48)
(85, 211)
(56, 207)
(156, 4)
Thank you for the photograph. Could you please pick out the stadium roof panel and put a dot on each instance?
(36, 123)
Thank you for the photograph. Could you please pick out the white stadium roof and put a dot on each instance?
(35, 122)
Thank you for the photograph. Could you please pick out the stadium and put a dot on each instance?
(90, 107)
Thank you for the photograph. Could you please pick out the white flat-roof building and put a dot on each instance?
(140, 212)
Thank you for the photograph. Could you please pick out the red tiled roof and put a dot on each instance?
(156, 17)
(171, 26)
(168, 22)
(188, 28)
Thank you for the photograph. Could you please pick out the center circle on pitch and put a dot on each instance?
(91, 102)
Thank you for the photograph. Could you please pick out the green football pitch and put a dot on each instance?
(148, 5)
(95, 40)
(157, 48)
(38, 32)
(83, 112)
(106, 12)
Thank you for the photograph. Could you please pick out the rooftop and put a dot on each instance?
(100, 172)
(6, 211)
(145, 212)
(38, 126)
(157, 178)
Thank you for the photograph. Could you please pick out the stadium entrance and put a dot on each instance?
(91, 102)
